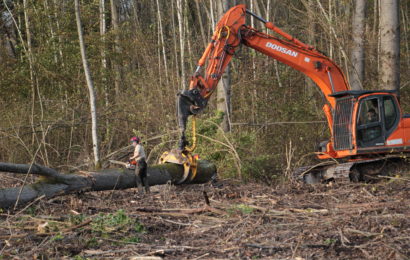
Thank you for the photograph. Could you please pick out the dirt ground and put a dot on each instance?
(242, 221)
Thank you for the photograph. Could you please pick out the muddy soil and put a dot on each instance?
(226, 221)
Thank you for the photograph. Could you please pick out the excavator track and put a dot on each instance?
(355, 171)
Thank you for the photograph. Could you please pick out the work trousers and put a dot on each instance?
(141, 175)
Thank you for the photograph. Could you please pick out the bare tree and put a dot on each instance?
(93, 106)
(201, 26)
(29, 53)
(224, 85)
(310, 35)
(104, 87)
(115, 25)
(389, 45)
(161, 31)
(175, 44)
(357, 58)
(405, 17)
(103, 30)
(330, 21)
(180, 15)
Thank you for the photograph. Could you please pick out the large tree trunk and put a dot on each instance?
(389, 45)
(357, 74)
(57, 184)
(93, 106)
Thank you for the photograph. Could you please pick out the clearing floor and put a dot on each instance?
(226, 221)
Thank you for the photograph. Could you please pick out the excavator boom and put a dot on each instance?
(232, 31)
(367, 127)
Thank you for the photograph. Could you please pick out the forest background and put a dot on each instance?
(141, 53)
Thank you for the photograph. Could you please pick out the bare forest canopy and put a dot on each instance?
(141, 53)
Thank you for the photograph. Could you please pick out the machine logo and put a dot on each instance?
(281, 49)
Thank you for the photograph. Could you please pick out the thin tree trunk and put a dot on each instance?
(135, 12)
(103, 29)
(209, 16)
(333, 33)
(93, 106)
(60, 39)
(160, 71)
(34, 84)
(357, 59)
(211, 6)
(188, 34)
(375, 17)
(30, 61)
(180, 15)
(115, 26)
(389, 45)
(378, 38)
(267, 11)
(405, 17)
(254, 91)
(258, 9)
(161, 31)
(201, 26)
(275, 62)
(104, 87)
(50, 24)
(330, 15)
(174, 32)
(311, 40)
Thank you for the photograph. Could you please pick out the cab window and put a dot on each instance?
(390, 113)
(369, 111)
(369, 126)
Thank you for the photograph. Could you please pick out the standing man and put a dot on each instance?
(141, 165)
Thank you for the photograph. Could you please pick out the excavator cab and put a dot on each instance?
(366, 122)
(378, 116)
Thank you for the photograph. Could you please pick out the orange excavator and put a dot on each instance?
(368, 128)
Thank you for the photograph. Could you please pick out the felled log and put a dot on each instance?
(55, 183)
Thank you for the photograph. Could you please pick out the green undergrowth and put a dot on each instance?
(118, 226)
(237, 154)
(242, 209)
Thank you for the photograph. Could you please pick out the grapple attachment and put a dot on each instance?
(185, 159)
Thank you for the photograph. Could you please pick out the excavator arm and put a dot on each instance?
(230, 32)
